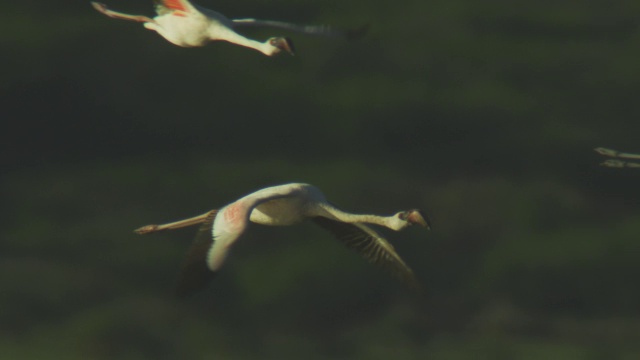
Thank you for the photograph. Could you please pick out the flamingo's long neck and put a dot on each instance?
(337, 214)
(235, 38)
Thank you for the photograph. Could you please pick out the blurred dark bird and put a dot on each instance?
(616, 162)
(188, 25)
(287, 205)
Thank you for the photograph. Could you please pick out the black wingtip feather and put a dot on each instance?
(358, 33)
(362, 243)
(195, 273)
(187, 287)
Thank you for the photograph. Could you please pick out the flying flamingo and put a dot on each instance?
(619, 155)
(188, 25)
(280, 206)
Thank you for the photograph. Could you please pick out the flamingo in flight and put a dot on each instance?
(188, 25)
(616, 163)
(280, 206)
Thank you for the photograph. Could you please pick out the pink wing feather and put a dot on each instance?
(176, 5)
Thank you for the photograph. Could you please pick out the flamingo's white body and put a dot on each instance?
(287, 205)
(616, 162)
(188, 25)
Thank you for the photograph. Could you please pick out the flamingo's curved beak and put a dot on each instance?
(418, 217)
(287, 45)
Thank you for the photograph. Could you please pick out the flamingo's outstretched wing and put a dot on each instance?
(373, 247)
(195, 273)
(319, 30)
(216, 235)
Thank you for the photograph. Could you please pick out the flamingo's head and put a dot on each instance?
(278, 44)
(411, 217)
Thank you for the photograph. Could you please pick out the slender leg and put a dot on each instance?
(117, 15)
(174, 225)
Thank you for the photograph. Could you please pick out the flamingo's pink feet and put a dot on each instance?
(146, 229)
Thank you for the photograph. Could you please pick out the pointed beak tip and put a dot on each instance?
(288, 46)
(417, 217)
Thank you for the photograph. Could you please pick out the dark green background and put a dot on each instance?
(484, 114)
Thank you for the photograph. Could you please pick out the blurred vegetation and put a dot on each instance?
(484, 114)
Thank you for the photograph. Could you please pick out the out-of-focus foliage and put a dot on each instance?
(484, 114)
